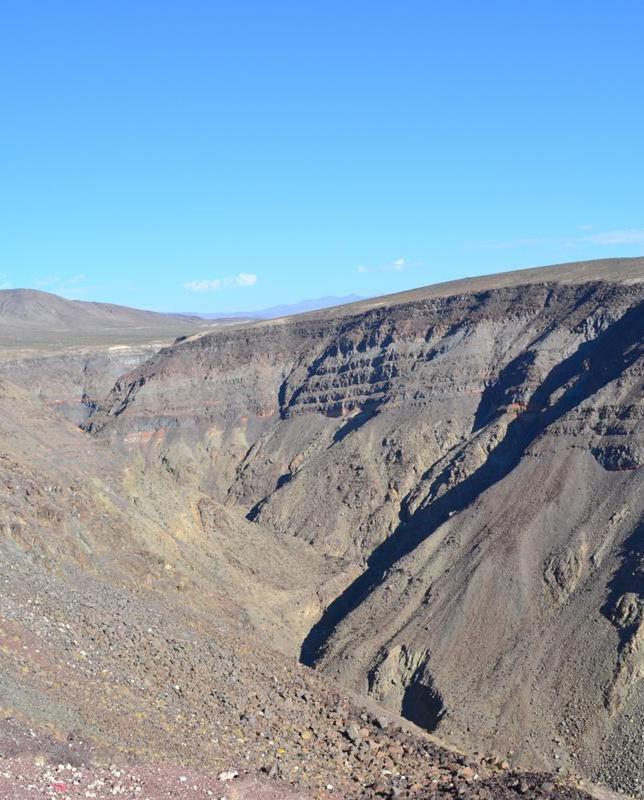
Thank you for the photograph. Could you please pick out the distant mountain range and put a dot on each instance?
(286, 310)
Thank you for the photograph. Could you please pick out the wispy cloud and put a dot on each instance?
(76, 286)
(628, 236)
(398, 265)
(521, 241)
(241, 280)
(95, 291)
(71, 286)
(57, 279)
(47, 281)
(605, 238)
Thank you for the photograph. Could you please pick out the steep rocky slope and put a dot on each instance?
(69, 502)
(469, 457)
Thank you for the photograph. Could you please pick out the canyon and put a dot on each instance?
(378, 538)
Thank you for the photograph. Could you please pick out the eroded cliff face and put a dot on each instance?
(472, 466)
(72, 380)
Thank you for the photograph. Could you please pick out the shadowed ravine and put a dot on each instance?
(592, 366)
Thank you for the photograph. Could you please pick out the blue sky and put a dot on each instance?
(218, 156)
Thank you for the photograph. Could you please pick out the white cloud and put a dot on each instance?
(395, 266)
(241, 280)
(245, 279)
(203, 286)
(630, 236)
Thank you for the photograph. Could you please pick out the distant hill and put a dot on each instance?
(30, 316)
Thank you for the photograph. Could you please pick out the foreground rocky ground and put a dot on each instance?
(22, 780)
(129, 697)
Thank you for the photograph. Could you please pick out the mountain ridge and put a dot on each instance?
(612, 270)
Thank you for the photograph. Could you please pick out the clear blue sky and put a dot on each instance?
(216, 156)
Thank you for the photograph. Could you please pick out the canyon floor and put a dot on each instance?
(391, 549)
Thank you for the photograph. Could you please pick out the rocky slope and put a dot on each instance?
(468, 460)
